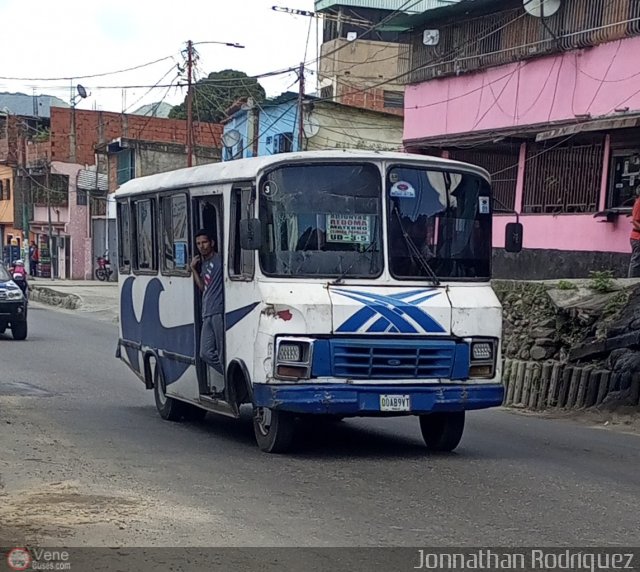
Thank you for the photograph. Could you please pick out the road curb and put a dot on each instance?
(55, 298)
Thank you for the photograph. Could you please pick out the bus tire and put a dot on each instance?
(273, 429)
(442, 432)
(170, 409)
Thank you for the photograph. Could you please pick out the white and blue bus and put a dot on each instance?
(355, 284)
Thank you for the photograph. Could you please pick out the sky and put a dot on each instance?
(44, 39)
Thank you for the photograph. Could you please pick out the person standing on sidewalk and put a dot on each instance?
(33, 259)
(207, 274)
(634, 264)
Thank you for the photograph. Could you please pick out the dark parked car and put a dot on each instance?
(13, 306)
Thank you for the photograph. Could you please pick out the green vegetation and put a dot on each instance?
(602, 281)
(612, 312)
(566, 285)
(213, 95)
(42, 135)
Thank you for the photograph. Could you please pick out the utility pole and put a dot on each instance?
(189, 103)
(25, 192)
(301, 109)
(47, 183)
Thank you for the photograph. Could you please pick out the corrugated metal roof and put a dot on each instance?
(415, 7)
(87, 181)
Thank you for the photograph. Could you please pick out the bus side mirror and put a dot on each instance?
(513, 237)
(250, 234)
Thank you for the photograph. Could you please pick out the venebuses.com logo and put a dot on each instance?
(19, 559)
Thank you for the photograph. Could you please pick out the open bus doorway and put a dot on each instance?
(208, 217)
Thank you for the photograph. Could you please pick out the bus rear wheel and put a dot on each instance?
(442, 432)
(170, 409)
(273, 429)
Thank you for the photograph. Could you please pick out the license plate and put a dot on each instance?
(395, 403)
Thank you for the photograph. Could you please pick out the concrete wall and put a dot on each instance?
(149, 162)
(360, 61)
(344, 127)
(341, 127)
(597, 80)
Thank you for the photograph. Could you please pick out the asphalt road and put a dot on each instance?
(86, 460)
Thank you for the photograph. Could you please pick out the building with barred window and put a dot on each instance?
(546, 97)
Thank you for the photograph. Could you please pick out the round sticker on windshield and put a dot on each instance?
(403, 189)
(269, 189)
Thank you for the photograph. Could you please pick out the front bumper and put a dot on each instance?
(364, 400)
(13, 311)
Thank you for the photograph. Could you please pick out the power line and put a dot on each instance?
(87, 76)
(267, 129)
(408, 5)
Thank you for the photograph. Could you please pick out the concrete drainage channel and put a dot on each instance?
(54, 298)
(554, 385)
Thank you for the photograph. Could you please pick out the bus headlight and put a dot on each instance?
(482, 359)
(482, 351)
(289, 351)
(293, 358)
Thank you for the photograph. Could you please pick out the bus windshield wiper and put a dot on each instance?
(342, 276)
(414, 251)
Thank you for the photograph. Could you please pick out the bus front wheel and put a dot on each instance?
(274, 429)
(442, 432)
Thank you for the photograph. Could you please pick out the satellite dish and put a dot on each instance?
(542, 8)
(82, 92)
(231, 138)
(352, 36)
(310, 126)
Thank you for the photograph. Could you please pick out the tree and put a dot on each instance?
(213, 95)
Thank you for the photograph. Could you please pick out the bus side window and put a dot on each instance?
(241, 262)
(124, 238)
(144, 237)
(175, 232)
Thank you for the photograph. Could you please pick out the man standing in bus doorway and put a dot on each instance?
(634, 264)
(207, 274)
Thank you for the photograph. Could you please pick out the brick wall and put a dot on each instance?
(38, 153)
(94, 127)
(366, 98)
(9, 152)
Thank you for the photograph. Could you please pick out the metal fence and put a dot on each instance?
(563, 180)
(504, 163)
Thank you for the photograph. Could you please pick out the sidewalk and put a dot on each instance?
(88, 296)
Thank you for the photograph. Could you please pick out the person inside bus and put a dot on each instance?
(207, 274)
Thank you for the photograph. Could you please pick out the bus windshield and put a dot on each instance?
(322, 220)
(439, 223)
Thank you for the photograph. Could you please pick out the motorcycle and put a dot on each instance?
(103, 272)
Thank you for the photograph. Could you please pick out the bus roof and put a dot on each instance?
(246, 169)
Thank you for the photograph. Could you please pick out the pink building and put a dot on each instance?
(550, 106)
(70, 218)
